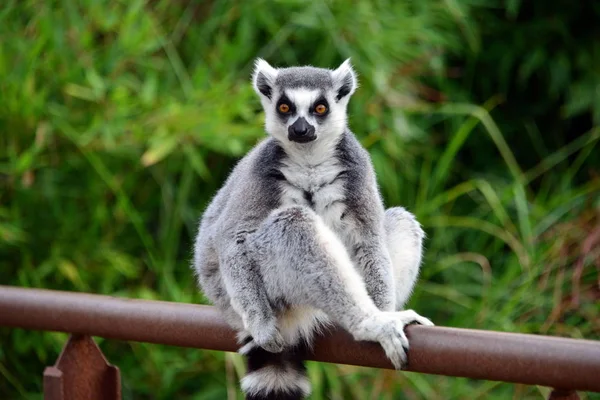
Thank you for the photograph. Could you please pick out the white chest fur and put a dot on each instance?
(320, 187)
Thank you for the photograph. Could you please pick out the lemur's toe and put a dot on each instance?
(423, 321)
(273, 343)
(411, 317)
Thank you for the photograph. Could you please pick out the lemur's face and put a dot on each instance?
(304, 104)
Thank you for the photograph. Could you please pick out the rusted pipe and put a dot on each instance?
(529, 359)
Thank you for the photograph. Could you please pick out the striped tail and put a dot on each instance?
(276, 376)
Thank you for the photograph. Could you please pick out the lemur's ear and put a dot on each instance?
(263, 78)
(344, 80)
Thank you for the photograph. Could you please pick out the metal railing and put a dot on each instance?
(567, 365)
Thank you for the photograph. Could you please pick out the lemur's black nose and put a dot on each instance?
(301, 131)
(300, 127)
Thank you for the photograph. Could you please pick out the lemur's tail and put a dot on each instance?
(276, 376)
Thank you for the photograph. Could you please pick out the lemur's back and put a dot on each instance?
(251, 186)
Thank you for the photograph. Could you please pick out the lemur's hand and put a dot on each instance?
(387, 328)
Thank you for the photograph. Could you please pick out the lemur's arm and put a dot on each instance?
(373, 260)
(365, 208)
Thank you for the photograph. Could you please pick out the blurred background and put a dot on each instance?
(120, 119)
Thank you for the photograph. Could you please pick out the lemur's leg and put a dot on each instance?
(208, 273)
(405, 244)
(206, 266)
(302, 261)
(233, 283)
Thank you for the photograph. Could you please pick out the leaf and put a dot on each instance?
(80, 92)
(159, 149)
(70, 271)
(96, 82)
(512, 8)
(11, 234)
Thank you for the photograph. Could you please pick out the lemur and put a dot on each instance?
(298, 237)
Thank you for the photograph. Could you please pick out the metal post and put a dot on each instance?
(82, 372)
(558, 394)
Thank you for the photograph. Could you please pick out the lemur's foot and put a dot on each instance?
(267, 336)
(387, 328)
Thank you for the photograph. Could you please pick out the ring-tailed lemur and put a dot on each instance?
(298, 236)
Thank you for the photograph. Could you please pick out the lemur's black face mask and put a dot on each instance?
(301, 131)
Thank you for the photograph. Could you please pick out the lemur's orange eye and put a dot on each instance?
(321, 109)
(284, 108)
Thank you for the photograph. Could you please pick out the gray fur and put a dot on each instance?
(307, 77)
(298, 235)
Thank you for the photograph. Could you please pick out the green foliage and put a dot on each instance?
(120, 119)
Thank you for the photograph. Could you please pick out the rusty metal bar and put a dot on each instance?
(568, 364)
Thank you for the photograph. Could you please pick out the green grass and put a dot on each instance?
(120, 119)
